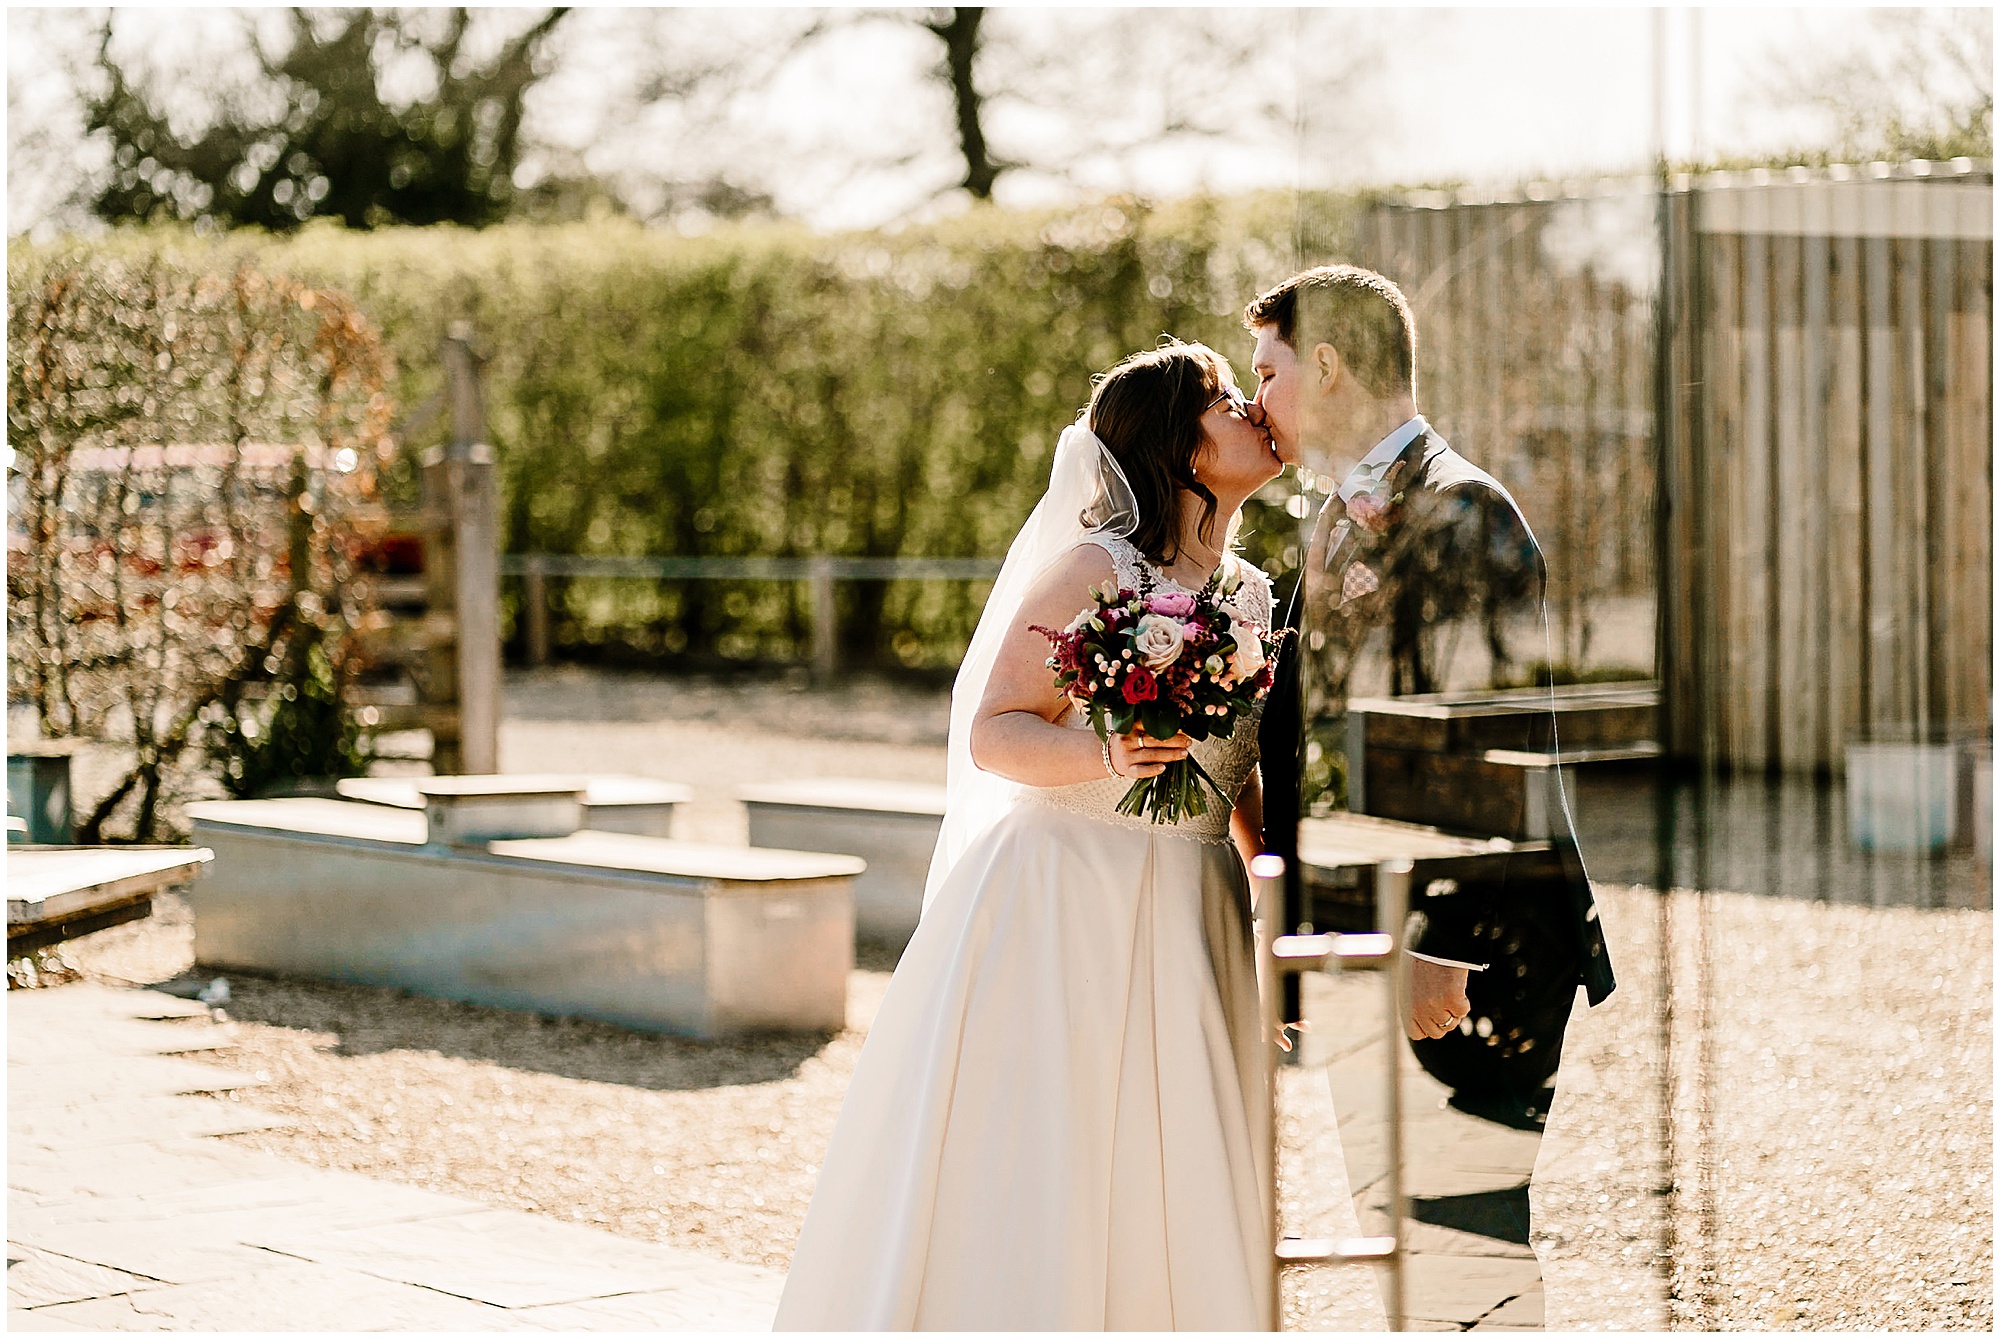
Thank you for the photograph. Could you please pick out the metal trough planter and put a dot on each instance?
(666, 936)
(890, 824)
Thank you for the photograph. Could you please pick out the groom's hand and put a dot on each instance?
(1437, 999)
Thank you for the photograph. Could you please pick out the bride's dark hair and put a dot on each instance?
(1147, 411)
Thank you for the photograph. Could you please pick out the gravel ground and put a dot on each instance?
(1832, 1070)
(1831, 1066)
(717, 735)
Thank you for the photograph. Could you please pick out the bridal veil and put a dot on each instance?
(1088, 495)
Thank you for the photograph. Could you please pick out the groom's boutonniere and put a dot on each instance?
(1378, 504)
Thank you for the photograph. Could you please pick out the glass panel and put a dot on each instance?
(1747, 685)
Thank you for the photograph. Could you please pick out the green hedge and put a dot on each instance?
(764, 391)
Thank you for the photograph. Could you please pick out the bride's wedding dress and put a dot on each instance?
(1058, 1121)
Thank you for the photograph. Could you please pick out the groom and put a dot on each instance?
(1414, 537)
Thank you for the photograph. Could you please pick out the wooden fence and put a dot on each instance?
(819, 572)
(1828, 466)
(1534, 351)
(1815, 520)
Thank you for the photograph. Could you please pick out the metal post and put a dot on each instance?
(825, 635)
(1392, 903)
(1280, 958)
(1267, 876)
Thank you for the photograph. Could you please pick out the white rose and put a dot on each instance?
(1248, 657)
(1158, 640)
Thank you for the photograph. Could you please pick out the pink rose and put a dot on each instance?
(1172, 603)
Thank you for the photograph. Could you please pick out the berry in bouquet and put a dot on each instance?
(1166, 662)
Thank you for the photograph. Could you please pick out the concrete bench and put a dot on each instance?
(667, 936)
(60, 892)
(892, 825)
(635, 804)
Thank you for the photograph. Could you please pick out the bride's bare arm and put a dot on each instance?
(1016, 733)
(1246, 821)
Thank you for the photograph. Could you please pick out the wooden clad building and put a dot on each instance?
(1815, 520)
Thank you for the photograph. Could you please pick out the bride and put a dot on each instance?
(1058, 1119)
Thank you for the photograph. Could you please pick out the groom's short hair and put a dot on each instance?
(1361, 313)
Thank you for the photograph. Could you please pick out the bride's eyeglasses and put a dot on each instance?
(1239, 405)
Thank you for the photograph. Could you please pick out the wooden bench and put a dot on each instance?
(632, 804)
(893, 825)
(1486, 762)
(60, 892)
(668, 936)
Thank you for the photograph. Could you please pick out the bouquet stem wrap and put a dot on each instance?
(1173, 796)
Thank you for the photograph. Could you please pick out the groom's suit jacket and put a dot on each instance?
(1451, 551)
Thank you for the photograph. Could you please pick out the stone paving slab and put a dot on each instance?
(22, 1319)
(1528, 1311)
(124, 1215)
(333, 1200)
(693, 1306)
(89, 1000)
(70, 1083)
(185, 1252)
(287, 1297)
(1472, 1260)
(113, 1037)
(113, 1120)
(137, 1169)
(506, 1258)
(1464, 1289)
(37, 1278)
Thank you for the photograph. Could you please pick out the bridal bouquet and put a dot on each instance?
(1165, 663)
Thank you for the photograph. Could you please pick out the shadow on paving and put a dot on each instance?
(371, 1020)
(1499, 1214)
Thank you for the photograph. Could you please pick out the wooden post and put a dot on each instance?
(462, 569)
(826, 642)
(535, 610)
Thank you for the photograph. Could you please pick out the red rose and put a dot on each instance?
(1139, 685)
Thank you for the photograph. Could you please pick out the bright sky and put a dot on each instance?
(1482, 94)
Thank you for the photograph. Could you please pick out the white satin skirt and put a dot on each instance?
(1058, 1121)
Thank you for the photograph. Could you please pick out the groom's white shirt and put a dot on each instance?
(1380, 457)
(1361, 478)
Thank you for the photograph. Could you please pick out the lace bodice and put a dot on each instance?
(1228, 760)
